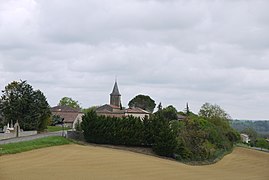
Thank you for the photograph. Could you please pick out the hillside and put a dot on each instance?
(261, 127)
(90, 162)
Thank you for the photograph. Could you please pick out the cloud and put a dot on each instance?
(175, 51)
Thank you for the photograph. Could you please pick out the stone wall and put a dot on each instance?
(13, 134)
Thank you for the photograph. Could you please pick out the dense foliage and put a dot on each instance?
(170, 113)
(194, 139)
(67, 101)
(56, 119)
(143, 102)
(129, 131)
(262, 143)
(202, 139)
(19, 102)
(213, 111)
(112, 130)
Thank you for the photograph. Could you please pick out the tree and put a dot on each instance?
(170, 113)
(262, 143)
(1, 120)
(187, 110)
(19, 102)
(213, 111)
(56, 119)
(160, 107)
(67, 101)
(143, 102)
(42, 109)
(165, 141)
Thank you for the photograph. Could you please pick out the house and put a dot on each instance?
(71, 116)
(180, 117)
(245, 138)
(115, 109)
(136, 112)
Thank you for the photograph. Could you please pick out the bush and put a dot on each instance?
(112, 130)
(194, 139)
(165, 141)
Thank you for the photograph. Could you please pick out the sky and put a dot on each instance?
(175, 51)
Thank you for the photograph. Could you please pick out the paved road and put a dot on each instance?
(28, 138)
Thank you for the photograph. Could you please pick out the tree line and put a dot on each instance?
(197, 138)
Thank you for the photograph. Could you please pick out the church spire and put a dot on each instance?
(115, 90)
(115, 96)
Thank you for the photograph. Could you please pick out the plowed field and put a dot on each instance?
(89, 162)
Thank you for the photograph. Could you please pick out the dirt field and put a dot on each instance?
(89, 162)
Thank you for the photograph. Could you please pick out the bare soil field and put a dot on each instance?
(91, 162)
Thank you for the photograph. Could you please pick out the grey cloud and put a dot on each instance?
(175, 51)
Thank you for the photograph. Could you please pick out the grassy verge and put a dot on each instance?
(13, 148)
(56, 128)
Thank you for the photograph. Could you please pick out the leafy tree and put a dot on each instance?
(213, 111)
(56, 119)
(143, 102)
(170, 113)
(67, 101)
(20, 102)
(262, 143)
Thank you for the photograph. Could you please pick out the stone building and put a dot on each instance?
(115, 108)
(71, 116)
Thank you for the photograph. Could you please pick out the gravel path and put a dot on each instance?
(28, 138)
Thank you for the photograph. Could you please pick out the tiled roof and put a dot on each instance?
(64, 109)
(69, 114)
(107, 107)
(114, 107)
(136, 110)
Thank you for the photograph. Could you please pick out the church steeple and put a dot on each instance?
(115, 95)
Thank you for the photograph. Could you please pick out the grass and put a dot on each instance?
(13, 148)
(56, 128)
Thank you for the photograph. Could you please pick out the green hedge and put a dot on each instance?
(194, 139)
(154, 132)
(112, 130)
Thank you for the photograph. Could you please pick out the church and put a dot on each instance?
(115, 109)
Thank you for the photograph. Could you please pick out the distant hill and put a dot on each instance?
(260, 126)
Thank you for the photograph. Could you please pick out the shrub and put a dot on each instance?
(165, 141)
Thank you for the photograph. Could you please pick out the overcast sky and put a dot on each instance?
(176, 51)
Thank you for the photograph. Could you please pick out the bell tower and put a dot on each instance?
(115, 96)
